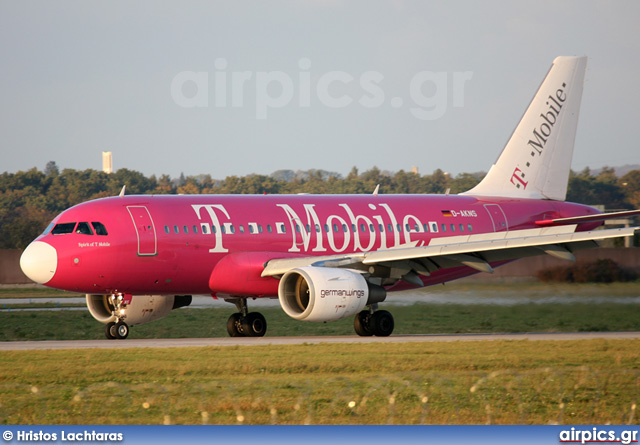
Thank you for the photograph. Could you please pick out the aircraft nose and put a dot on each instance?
(39, 262)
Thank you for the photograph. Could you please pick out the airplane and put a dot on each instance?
(325, 257)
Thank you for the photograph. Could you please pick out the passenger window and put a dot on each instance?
(444, 227)
(241, 228)
(186, 229)
(426, 228)
(269, 228)
(399, 227)
(453, 227)
(84, 229)
(470, 227)
(195, 229)
(63, 228)
(205, 228)
(259, 228)
(166, 229)
(390, 228)
(99, 228)
(462, 227)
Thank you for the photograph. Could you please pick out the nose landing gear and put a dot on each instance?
(117, 330)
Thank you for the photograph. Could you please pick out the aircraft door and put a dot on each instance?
(498, 218)
(145, 230)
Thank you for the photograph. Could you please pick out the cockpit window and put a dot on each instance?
(63, 228)
(84, 229)
(99, 228)
(48, 229)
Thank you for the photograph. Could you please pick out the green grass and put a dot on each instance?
(414, 319)
(501, 382)
(33, 291)
(537, 288)
(38, 305)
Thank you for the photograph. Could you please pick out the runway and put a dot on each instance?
(265, 341)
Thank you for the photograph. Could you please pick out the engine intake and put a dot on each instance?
(326, 294)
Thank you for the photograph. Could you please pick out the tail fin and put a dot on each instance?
(536, 161)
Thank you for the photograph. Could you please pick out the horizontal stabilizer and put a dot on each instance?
(587, 218)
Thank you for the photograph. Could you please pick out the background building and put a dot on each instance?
(107, 162)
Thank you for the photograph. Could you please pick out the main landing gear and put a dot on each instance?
(253, 324)
(373, 322)
(244, 323)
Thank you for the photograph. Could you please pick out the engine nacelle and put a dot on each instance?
(325, 294)
(142, 308)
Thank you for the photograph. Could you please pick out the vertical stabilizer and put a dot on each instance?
(536, 161)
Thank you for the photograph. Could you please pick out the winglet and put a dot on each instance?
(375, 192)
(122, 191)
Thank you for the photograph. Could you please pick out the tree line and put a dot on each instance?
(29, 200)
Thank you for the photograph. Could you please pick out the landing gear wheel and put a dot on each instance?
(381, 323)
(361, 324)
(244, 323)
(122, 330)
(111, 335)
(233, 323)
(254, 325)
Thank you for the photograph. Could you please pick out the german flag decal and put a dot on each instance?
(447, 213)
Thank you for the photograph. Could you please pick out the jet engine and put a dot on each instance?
(326, 294)
(142, 308)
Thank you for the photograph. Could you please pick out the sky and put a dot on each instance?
(241, 87)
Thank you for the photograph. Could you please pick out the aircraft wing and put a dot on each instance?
(475, 251)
